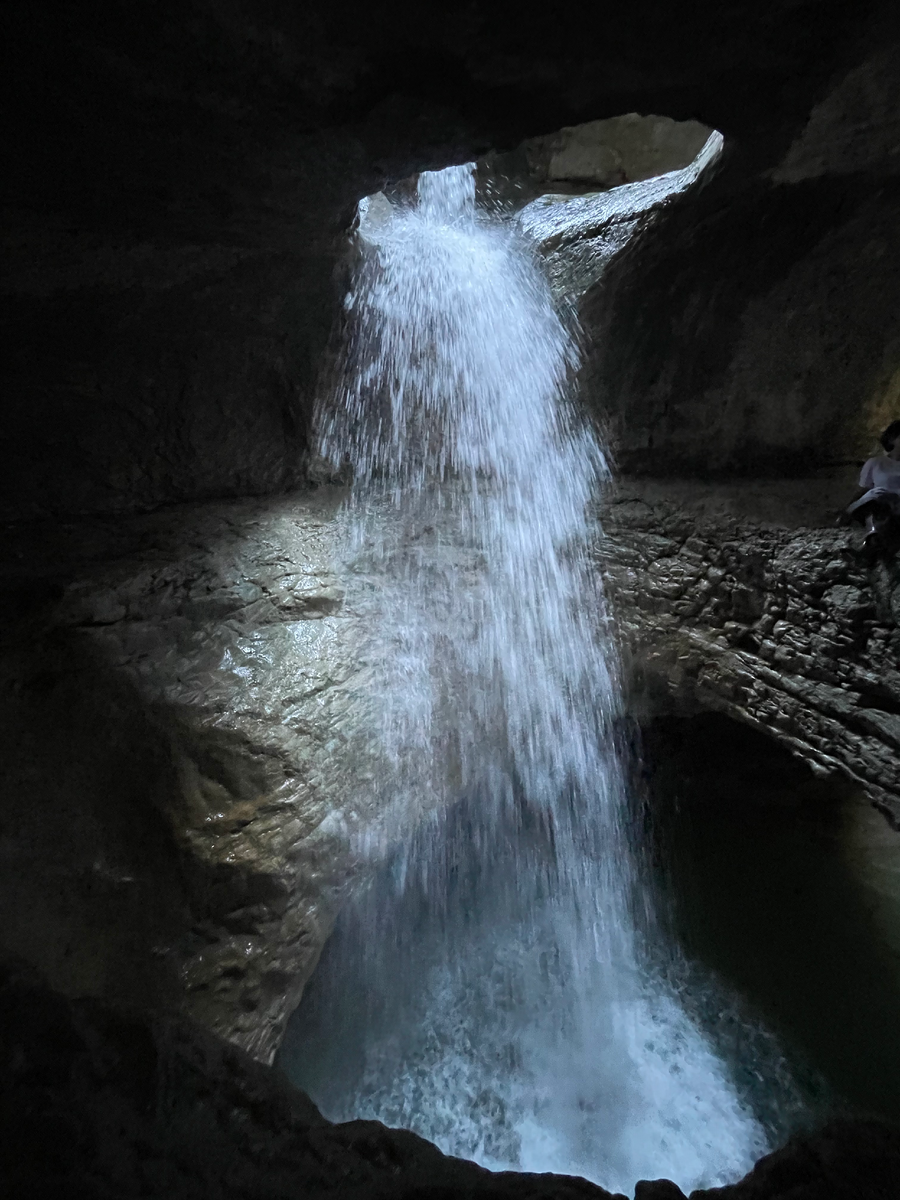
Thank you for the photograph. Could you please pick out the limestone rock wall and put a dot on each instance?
(748, 600)
(181, 694)
(753, 327)
(142, 371)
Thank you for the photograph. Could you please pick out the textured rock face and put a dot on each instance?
(181, 695)
(578, 237)
(148, 372)
(747, 600)
(753, 327)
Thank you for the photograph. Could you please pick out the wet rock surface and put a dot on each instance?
(749, 601)
(578, 236)
(179, 693)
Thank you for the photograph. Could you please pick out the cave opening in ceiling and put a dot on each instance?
(503, 986)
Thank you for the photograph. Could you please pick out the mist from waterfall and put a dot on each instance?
(502, 987)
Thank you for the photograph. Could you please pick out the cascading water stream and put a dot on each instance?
(510, 1004)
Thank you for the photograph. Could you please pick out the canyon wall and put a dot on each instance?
(181, 685)
(185, 705)
(746, 599)
(744, 350)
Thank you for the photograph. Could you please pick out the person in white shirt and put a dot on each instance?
(879, 505)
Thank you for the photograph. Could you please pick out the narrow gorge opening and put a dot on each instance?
(504, 985)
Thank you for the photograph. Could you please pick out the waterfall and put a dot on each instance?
(498, 987)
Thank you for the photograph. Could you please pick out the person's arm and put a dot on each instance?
(867, 475)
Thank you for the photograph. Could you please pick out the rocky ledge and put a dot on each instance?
(748, 600)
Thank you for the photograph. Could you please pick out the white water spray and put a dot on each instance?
(508, 1007)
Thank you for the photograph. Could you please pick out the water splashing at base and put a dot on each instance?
(510, 998)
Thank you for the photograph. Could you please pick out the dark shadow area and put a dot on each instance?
(770, 877)
(91, 888)
(706, 304)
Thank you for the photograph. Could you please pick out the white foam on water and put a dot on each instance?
(508, 1008)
